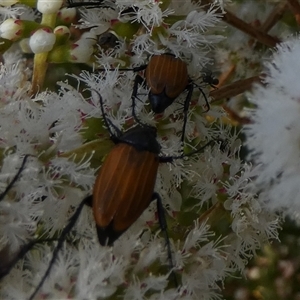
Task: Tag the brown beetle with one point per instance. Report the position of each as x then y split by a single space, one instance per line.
166 77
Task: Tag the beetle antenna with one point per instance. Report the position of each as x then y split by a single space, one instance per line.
59 245
107 122
138 80
15 177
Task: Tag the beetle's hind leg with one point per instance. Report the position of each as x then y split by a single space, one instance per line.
164 229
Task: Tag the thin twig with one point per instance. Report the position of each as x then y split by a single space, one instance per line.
225 76
233 20
261 36
294 6
233 89
274 16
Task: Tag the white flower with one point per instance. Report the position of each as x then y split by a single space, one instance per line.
82 50
149 13
273 138
63 131
14 12
10 29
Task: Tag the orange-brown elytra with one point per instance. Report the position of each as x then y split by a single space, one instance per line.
167 77
125 183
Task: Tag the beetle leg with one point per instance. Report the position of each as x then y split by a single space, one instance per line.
59 245
139 68
164 229
89 201
115 138
205 98
15 177
5 267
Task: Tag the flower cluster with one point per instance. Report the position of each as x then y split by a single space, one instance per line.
273 136
215 223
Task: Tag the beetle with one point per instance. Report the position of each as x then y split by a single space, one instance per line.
167 77
128 173
124 187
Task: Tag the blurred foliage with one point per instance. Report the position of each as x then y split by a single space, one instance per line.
274 274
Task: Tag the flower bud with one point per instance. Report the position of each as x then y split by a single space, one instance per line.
82 51
90 37
67 15
11 29
42 41
49 6
62 34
